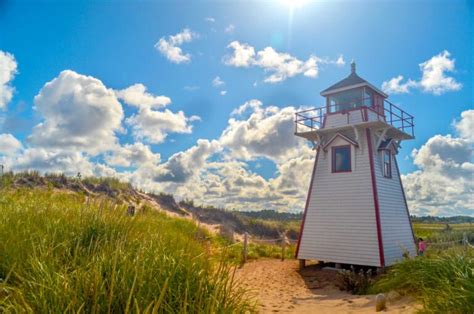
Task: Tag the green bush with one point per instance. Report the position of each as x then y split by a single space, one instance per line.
59 255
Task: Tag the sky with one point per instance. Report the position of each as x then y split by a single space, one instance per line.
197 98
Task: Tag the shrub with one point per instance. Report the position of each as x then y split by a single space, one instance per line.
356 282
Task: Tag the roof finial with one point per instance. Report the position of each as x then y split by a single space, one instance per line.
353 66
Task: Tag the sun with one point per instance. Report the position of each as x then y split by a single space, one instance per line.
294 3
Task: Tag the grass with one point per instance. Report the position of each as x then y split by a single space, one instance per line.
256 251
435 231
443 279
442 282
58 255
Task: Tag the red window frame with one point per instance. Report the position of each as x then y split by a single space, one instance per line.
333 158
387 172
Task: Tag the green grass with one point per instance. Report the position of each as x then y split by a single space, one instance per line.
442 282
436 231
256 251
58 255
443 279
111 182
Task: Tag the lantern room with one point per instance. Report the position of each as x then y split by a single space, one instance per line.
353 92
354 102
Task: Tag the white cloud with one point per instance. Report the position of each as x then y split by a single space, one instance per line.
251 105
8 69
434 79
191 88
149 123
215 173
136 154
266 132
465 126
230 184
223 92
340 61
217 82
444 183
52 161
81 117
242 55
283 65
210 19
183 165
280 65
230 29
9 145
154 126
136 95
170 47
294 176
395 85
79 113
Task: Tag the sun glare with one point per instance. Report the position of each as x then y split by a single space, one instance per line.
294 3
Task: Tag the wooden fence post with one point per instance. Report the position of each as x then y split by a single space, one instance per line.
131 210
245 248
465 241
283 245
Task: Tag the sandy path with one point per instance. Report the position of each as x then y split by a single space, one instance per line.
279 287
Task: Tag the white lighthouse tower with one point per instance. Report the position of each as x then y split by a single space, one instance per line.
356 212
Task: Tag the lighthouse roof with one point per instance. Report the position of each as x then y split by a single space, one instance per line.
351 81
388 143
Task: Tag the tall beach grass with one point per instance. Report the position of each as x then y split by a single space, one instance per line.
59 255
443 281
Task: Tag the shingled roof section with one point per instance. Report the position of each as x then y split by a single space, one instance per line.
352 80
385 144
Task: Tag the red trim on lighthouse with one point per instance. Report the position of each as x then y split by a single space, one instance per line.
307 203
376 198
405 200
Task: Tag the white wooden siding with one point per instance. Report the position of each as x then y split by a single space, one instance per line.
340 223
352 117
396 230
373 116
336 120
342 119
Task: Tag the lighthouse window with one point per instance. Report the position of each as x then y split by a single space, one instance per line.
367 97
387 164
341 158
346 100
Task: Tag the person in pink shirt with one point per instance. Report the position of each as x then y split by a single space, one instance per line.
421 246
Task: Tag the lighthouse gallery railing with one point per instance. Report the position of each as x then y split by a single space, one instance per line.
311 119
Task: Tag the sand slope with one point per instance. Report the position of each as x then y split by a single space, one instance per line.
279 287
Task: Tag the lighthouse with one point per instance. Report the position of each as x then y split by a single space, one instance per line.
356 211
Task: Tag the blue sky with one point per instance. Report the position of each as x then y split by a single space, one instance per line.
114 42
